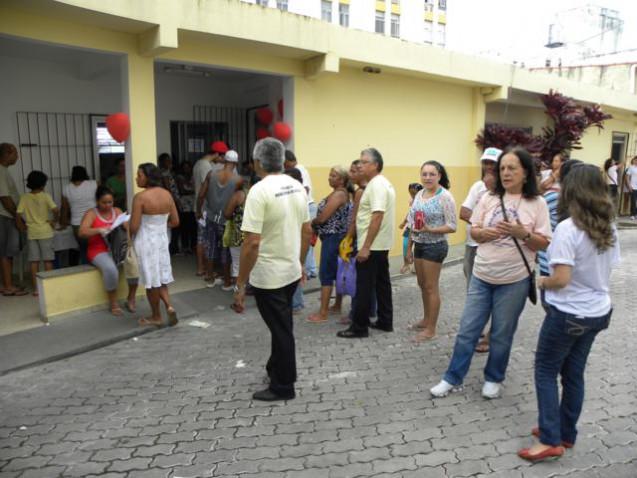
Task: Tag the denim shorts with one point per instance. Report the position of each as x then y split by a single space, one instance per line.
329 258
433 252
213 244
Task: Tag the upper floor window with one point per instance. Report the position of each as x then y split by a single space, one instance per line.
343 14
395 2
326 10
429 32
263 3
379 26
442 35
282 5
429 5
395 25
442 4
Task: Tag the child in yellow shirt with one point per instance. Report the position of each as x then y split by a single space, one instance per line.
37 207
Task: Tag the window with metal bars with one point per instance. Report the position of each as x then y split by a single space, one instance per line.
395 25
326 10
343 14
379 25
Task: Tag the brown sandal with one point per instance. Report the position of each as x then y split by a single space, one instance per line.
144 322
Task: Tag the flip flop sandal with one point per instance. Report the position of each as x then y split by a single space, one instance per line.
172 317
130 308
146 322
117 311
15 293
415 327
316 319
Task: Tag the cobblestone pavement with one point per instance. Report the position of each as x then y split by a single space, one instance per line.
176 403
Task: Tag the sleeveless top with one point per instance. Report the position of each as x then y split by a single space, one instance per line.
337 223
97 244
217 198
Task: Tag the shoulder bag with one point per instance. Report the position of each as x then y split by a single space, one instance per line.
532 284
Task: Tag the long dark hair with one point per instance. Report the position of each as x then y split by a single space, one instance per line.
444 177
152 173
565 169
529 188
78 173
590 207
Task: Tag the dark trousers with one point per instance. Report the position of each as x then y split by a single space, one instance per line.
188 226
275 306
563 347
373 275
633 203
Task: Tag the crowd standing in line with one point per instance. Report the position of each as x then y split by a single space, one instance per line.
563 216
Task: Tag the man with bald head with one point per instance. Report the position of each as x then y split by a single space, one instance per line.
9 236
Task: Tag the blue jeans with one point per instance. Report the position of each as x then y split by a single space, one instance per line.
329 258
504 303
297 299
310 261
563 347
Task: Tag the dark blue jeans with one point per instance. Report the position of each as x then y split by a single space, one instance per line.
504 303
563 347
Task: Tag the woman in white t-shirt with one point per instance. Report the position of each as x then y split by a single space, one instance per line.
583 252
78 197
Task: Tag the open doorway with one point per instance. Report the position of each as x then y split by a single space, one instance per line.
198 104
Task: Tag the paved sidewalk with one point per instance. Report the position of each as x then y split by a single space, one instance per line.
176 403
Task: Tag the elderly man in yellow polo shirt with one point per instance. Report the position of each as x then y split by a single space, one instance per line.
375 237
276 221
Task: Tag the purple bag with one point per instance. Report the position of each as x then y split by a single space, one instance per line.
346 277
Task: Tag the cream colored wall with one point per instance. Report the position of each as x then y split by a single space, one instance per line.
596 144
408 120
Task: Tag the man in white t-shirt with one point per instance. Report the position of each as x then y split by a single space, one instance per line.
631 172
488 161
209 162
277 230
375 237
290 163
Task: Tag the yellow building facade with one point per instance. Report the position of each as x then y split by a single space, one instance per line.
418 103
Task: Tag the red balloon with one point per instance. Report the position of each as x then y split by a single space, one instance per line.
118 126
282 131
262 132
265 116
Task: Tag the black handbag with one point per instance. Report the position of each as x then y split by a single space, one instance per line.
532 285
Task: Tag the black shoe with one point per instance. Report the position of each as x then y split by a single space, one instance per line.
384 328
352 334
268 395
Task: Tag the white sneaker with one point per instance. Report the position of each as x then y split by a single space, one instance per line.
444 388
491 390
227 288
214 283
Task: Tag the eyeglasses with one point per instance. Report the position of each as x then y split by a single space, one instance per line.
365 161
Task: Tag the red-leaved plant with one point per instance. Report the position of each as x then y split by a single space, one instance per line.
570 120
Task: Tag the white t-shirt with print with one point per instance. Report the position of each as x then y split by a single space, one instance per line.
632 174
276 208
475 193
379 196
81 198
587 295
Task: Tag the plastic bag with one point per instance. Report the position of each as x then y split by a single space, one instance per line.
346 278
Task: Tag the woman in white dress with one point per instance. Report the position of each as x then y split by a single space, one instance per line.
153 210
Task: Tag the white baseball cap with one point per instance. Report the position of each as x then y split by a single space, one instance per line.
490 154
231 156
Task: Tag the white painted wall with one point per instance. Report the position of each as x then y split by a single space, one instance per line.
47 86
